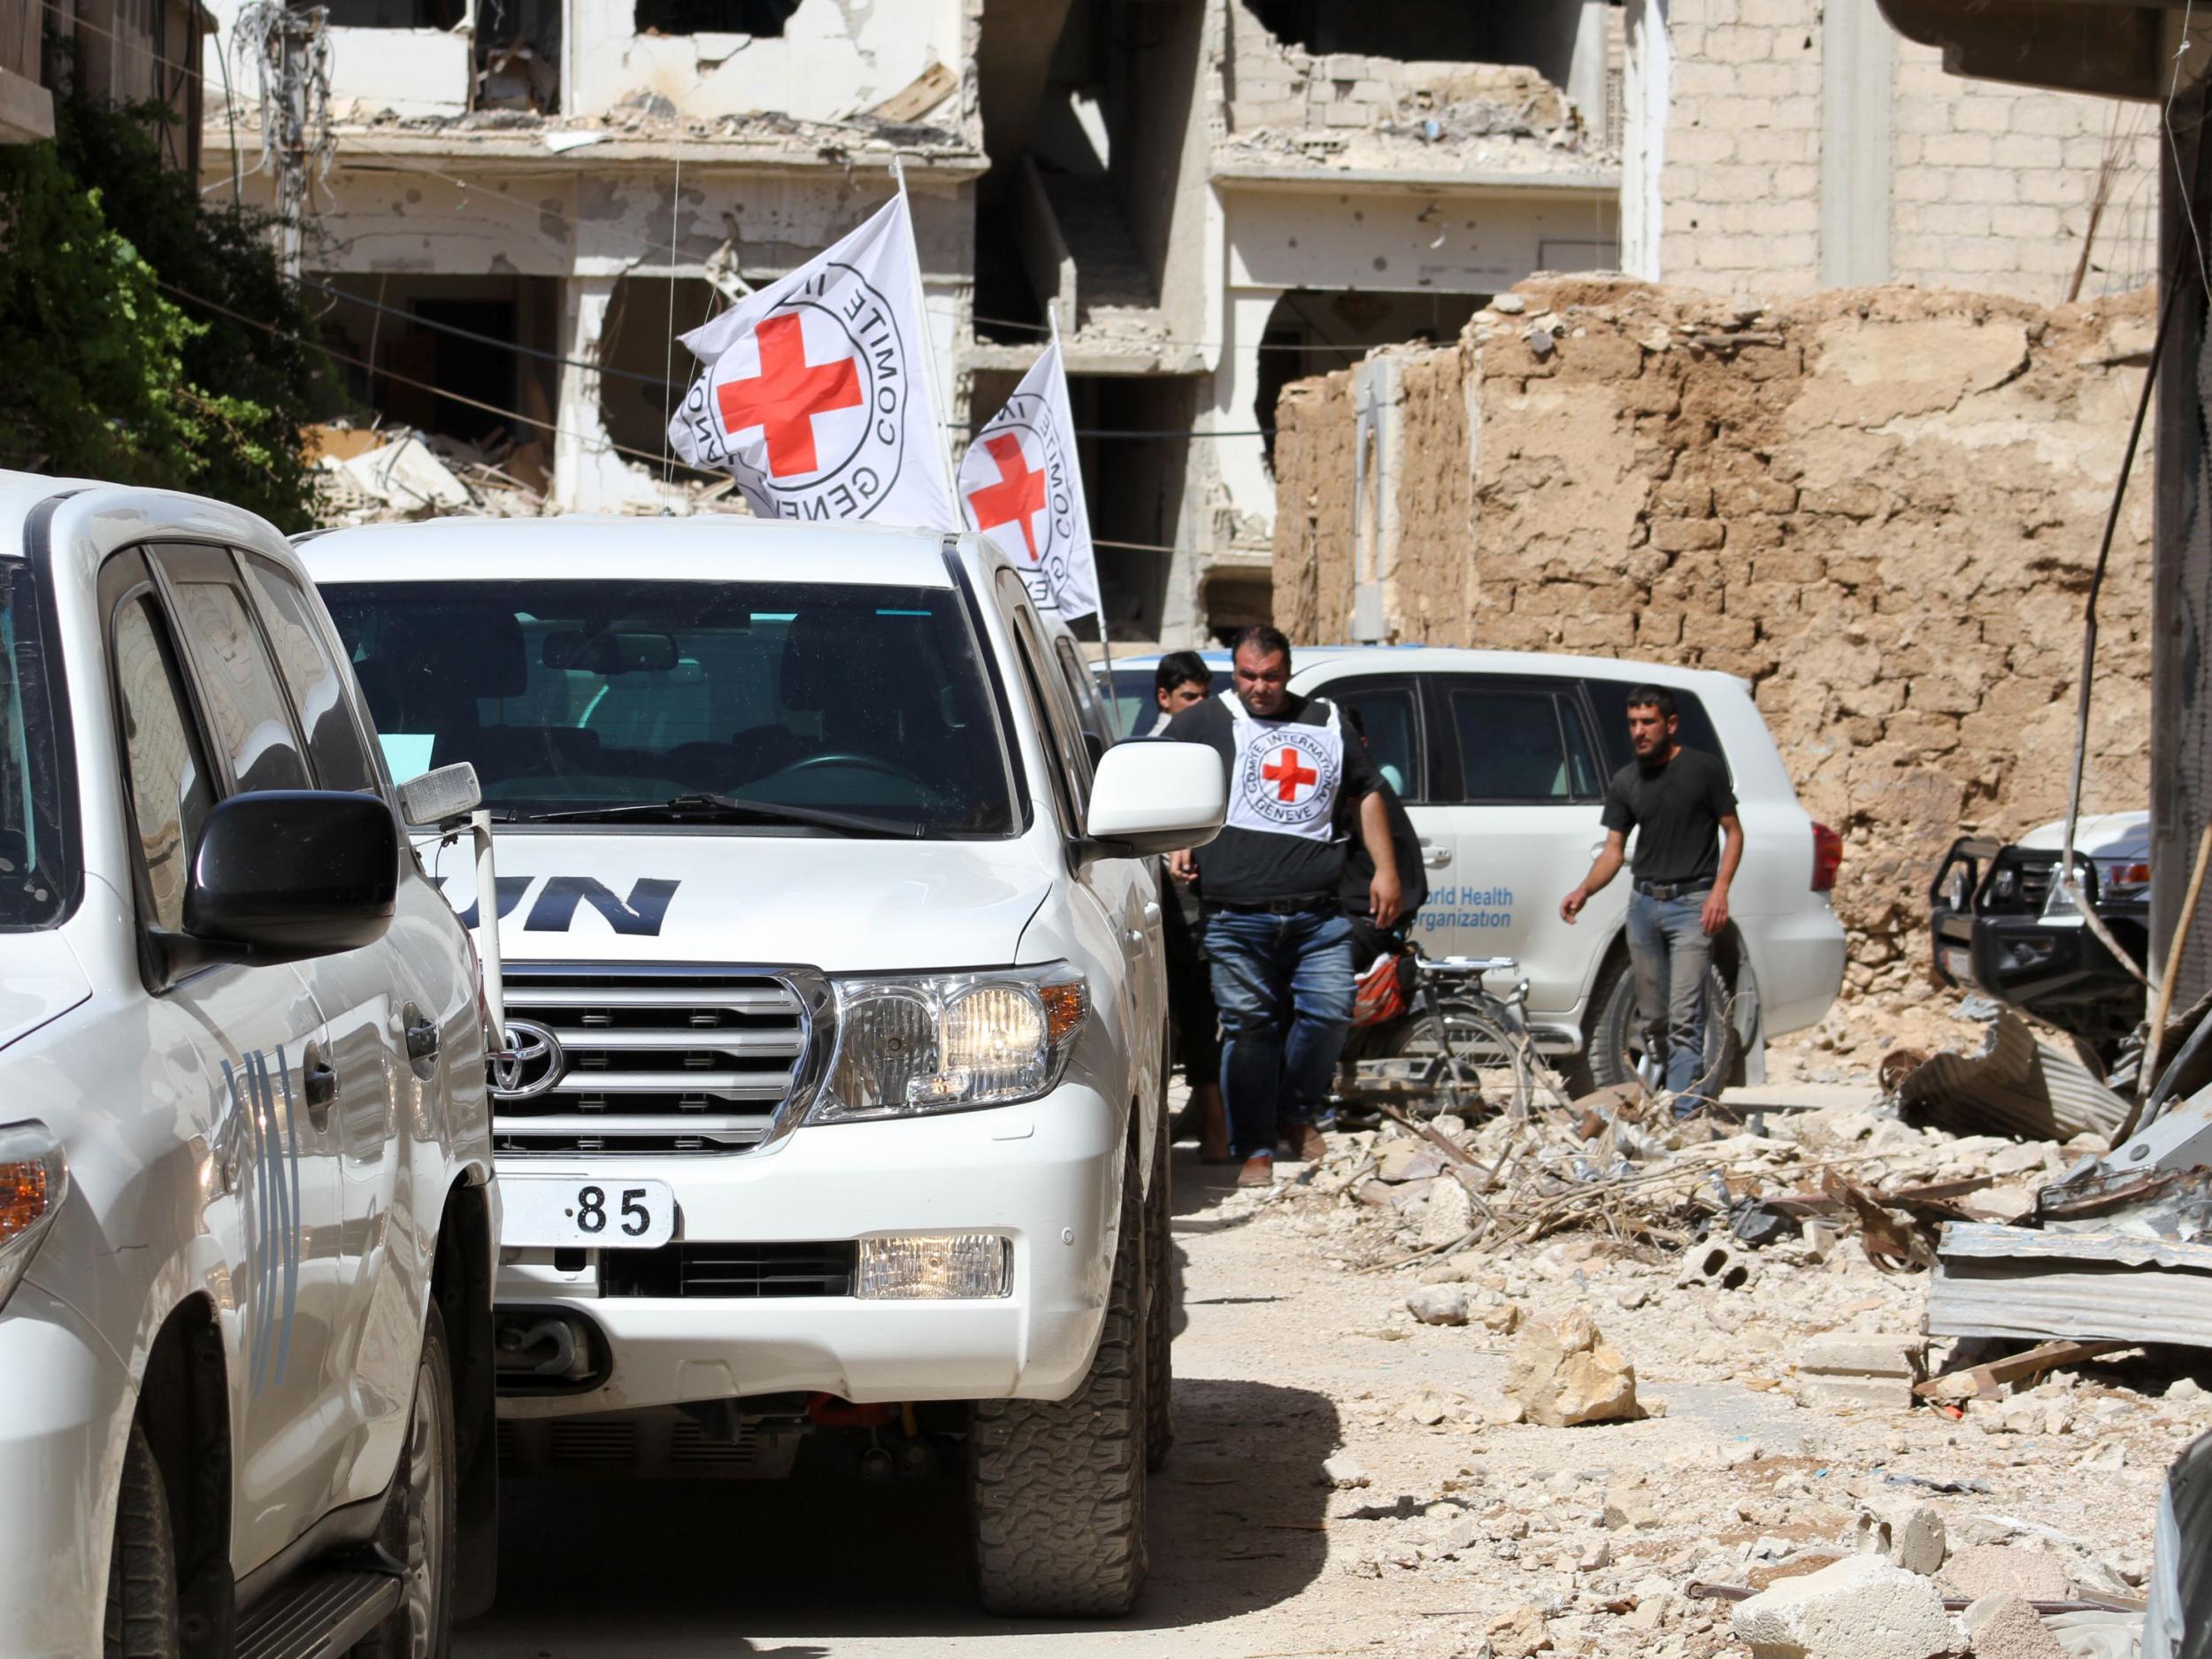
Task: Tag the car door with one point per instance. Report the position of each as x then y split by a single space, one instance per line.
384 1008
241 1048
1516 772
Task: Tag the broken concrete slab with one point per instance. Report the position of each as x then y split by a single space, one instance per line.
1908 1532
1862 1608
1975 1571
2002 1625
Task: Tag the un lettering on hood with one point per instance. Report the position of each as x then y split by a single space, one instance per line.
814 395
1021 486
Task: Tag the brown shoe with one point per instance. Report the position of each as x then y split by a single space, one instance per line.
1309 1144
1258 1171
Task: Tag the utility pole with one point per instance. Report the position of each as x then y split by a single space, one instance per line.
291 56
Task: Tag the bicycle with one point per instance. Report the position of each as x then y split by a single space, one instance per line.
1455 1028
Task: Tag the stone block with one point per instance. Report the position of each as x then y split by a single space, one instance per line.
1907 1531
1684 535
1975 1571
1437 1304
1564 1373
1450 1214
1855 1393
1863 1607
1858 1353
2003 1626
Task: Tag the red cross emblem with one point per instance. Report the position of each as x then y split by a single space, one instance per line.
1288 773
785 397
1018 493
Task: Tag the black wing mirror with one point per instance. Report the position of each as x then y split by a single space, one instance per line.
281 875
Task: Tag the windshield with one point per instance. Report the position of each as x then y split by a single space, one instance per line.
34 799
604 697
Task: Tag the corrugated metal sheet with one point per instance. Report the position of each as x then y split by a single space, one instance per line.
2041 1286
2017 1085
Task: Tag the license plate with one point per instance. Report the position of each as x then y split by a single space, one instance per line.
563 1211
1957 962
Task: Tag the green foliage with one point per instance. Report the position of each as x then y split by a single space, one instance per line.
113 376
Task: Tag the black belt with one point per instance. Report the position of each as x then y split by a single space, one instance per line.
1674 889
1279 907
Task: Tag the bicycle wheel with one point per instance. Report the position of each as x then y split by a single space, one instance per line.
1479 1039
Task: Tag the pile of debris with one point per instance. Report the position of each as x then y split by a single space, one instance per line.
388 474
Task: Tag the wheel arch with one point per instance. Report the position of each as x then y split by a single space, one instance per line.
184 1406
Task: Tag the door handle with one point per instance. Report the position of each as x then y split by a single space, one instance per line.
1436 857
1151 910
318 1084
422 1039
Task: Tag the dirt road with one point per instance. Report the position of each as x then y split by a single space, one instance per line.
1469 1529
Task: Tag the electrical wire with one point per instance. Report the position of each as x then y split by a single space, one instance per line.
2173 148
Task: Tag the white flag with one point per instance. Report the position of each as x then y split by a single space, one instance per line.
1021 486
815 394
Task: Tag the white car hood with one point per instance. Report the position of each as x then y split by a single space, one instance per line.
692 896
2097 834
40 980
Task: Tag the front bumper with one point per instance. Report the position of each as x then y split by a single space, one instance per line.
1045 1175
61 1463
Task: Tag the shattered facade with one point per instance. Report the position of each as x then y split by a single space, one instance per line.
1881 507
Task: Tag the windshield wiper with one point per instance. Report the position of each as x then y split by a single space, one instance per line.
709 808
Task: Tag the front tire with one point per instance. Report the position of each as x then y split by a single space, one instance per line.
419 1527
142 1609
1613 1042
1162 1292
1057 1487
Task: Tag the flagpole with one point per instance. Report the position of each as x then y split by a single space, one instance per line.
1105 643
928 345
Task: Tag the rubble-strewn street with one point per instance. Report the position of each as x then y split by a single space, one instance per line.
1355 1475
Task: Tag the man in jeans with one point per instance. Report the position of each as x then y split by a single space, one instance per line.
1675 799
1280 945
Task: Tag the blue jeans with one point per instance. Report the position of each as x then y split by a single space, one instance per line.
1284 987
1670 951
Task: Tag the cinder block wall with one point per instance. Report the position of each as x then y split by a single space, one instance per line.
1879 506
1989 187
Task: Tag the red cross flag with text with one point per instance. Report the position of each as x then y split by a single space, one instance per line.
1020 485
815 395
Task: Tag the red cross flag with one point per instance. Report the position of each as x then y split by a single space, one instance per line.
1020 485
815 395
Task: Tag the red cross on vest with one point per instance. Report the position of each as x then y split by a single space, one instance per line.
1018 493
785 397
1288 773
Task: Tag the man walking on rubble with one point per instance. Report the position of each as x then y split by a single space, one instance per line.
1280 944
1675 799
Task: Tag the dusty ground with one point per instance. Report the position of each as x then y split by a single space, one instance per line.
1467 1530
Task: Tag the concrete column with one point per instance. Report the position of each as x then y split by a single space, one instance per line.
1242 461
1644 85
588 475
1858 58
1585 73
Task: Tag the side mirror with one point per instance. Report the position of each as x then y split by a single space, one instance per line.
1150 796
440 797
281 875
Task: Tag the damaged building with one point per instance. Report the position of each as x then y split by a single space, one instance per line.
525 200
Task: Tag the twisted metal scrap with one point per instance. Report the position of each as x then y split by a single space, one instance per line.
290 54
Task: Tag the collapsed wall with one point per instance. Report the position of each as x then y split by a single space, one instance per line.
1880 506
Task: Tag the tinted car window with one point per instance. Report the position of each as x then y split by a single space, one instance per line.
1694 727
171 794
1136 709
333 742
1392 722
36 871
244 706
564 695
1514 746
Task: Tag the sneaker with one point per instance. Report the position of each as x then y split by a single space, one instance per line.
1258 1171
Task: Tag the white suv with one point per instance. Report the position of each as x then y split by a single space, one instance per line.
837 1009
1501 759
246 1223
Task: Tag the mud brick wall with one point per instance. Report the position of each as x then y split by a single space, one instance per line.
1880 506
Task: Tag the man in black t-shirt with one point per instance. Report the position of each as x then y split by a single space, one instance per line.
1678 801
1278 944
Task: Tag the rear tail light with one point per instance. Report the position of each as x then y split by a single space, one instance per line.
1827 857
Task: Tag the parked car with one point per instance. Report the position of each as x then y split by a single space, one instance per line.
246 1220
832 944
2000 925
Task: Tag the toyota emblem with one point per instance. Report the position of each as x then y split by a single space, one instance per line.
531 1063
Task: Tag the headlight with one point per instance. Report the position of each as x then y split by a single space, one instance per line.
33 1181
935 1042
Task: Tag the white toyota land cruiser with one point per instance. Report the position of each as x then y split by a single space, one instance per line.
246 1230
836 1003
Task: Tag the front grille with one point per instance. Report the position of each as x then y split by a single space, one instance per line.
2036 877
653 1060
754 1271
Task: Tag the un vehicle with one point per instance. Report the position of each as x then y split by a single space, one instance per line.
834 1113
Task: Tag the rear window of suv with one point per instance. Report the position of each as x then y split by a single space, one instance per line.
1694 727
574 696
